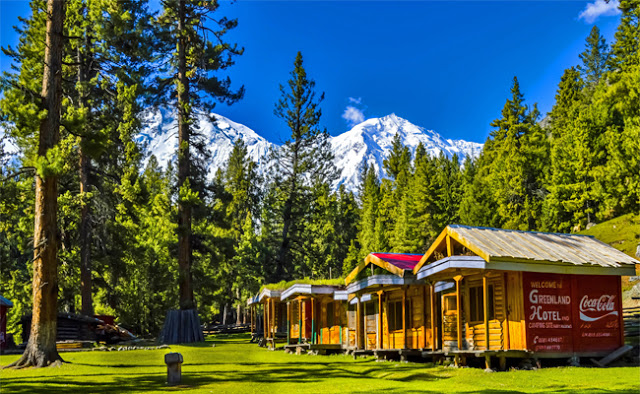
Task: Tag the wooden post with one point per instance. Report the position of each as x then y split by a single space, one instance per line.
359 324
432 289
272 323
449 247
424 317
458 278
264 321
380 334
485 307
300 330
404 316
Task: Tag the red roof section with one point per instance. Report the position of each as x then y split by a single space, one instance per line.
401 260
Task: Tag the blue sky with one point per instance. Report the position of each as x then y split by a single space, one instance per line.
443 65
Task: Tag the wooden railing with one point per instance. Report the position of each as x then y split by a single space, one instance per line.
631 318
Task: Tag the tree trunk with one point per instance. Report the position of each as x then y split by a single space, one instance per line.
224 314
85 212
286 221
238 308
184 163
41 348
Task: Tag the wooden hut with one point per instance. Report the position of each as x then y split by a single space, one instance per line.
315 318
525 294
389 310
275 316
256 322
5 304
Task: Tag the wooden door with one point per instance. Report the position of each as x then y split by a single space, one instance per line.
307 319
515 311
449 321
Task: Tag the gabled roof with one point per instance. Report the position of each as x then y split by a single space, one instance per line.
268 293
493 244
396 263
5 302
305 288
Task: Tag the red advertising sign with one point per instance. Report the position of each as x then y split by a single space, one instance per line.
547 308
598 303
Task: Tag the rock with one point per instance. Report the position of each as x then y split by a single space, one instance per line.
638 251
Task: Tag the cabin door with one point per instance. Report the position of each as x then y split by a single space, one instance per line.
449 321
307 319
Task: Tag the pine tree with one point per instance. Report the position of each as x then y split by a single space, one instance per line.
302 162
569 203
627 38
595 58
41 348
515 158
191 87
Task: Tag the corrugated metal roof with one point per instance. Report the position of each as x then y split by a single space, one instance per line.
405 261
538 246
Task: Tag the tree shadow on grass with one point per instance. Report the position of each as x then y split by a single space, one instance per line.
143 382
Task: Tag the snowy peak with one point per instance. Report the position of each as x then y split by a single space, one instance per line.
370 142
367 143
219 132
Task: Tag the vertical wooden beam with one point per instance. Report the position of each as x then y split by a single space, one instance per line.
404 316
380 295
432 288
359 324
485 307
264 320
272 315
458 279
424 317
449 246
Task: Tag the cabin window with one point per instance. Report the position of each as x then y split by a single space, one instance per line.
476 303
450 304
330 315
395 315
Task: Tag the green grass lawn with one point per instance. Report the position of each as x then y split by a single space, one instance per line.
235 366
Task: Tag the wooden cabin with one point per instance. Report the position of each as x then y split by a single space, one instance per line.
524 294
389 310
256 320
315 318
5 304
275 316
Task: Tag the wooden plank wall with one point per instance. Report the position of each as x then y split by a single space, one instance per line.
295 320
516 313
476 331
331 335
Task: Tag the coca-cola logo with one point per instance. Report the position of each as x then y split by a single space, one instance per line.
605 303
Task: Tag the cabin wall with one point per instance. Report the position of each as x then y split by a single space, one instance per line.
331 330
352 325
294 322
516 325
474 323
572 313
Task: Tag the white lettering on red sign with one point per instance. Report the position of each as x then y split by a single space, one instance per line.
605 303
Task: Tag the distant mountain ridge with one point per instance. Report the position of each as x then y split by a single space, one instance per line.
366 143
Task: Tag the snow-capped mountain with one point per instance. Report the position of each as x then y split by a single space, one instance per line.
161 136
367 142
370 143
